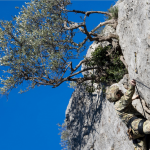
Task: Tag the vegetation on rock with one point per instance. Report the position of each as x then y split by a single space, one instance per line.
37 46
110 68
65 143
114 11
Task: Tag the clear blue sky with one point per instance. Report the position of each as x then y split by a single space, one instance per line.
28 121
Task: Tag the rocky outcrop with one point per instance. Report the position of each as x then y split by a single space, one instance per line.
134 38
91 120
94 124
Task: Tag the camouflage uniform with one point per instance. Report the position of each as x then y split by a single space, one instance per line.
126 111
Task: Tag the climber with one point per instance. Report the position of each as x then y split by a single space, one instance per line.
137 125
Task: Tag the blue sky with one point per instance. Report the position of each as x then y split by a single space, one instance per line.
28 121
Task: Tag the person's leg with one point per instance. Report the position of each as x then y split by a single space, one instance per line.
146 127
139 142
135 130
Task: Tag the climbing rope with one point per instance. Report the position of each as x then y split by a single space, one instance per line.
135 85
140 101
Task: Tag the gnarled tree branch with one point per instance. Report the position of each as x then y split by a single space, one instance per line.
90 12
112 21
69 77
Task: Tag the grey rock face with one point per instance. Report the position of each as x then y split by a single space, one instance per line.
91 120
93 123
134 37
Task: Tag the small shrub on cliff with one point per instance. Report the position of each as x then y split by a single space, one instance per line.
113 11
110 68
65 143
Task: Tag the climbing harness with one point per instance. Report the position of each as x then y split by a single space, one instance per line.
140 126
129 132
130 121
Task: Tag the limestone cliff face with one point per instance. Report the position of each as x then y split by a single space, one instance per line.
91 120
134 37
93 123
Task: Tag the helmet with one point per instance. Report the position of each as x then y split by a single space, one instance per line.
111 93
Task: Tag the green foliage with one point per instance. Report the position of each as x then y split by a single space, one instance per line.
99 57
90 89
65 143
34 46
111 69
72 84
36 49
111 64
89 86
114 11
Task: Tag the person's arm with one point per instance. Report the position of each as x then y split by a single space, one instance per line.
127 98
